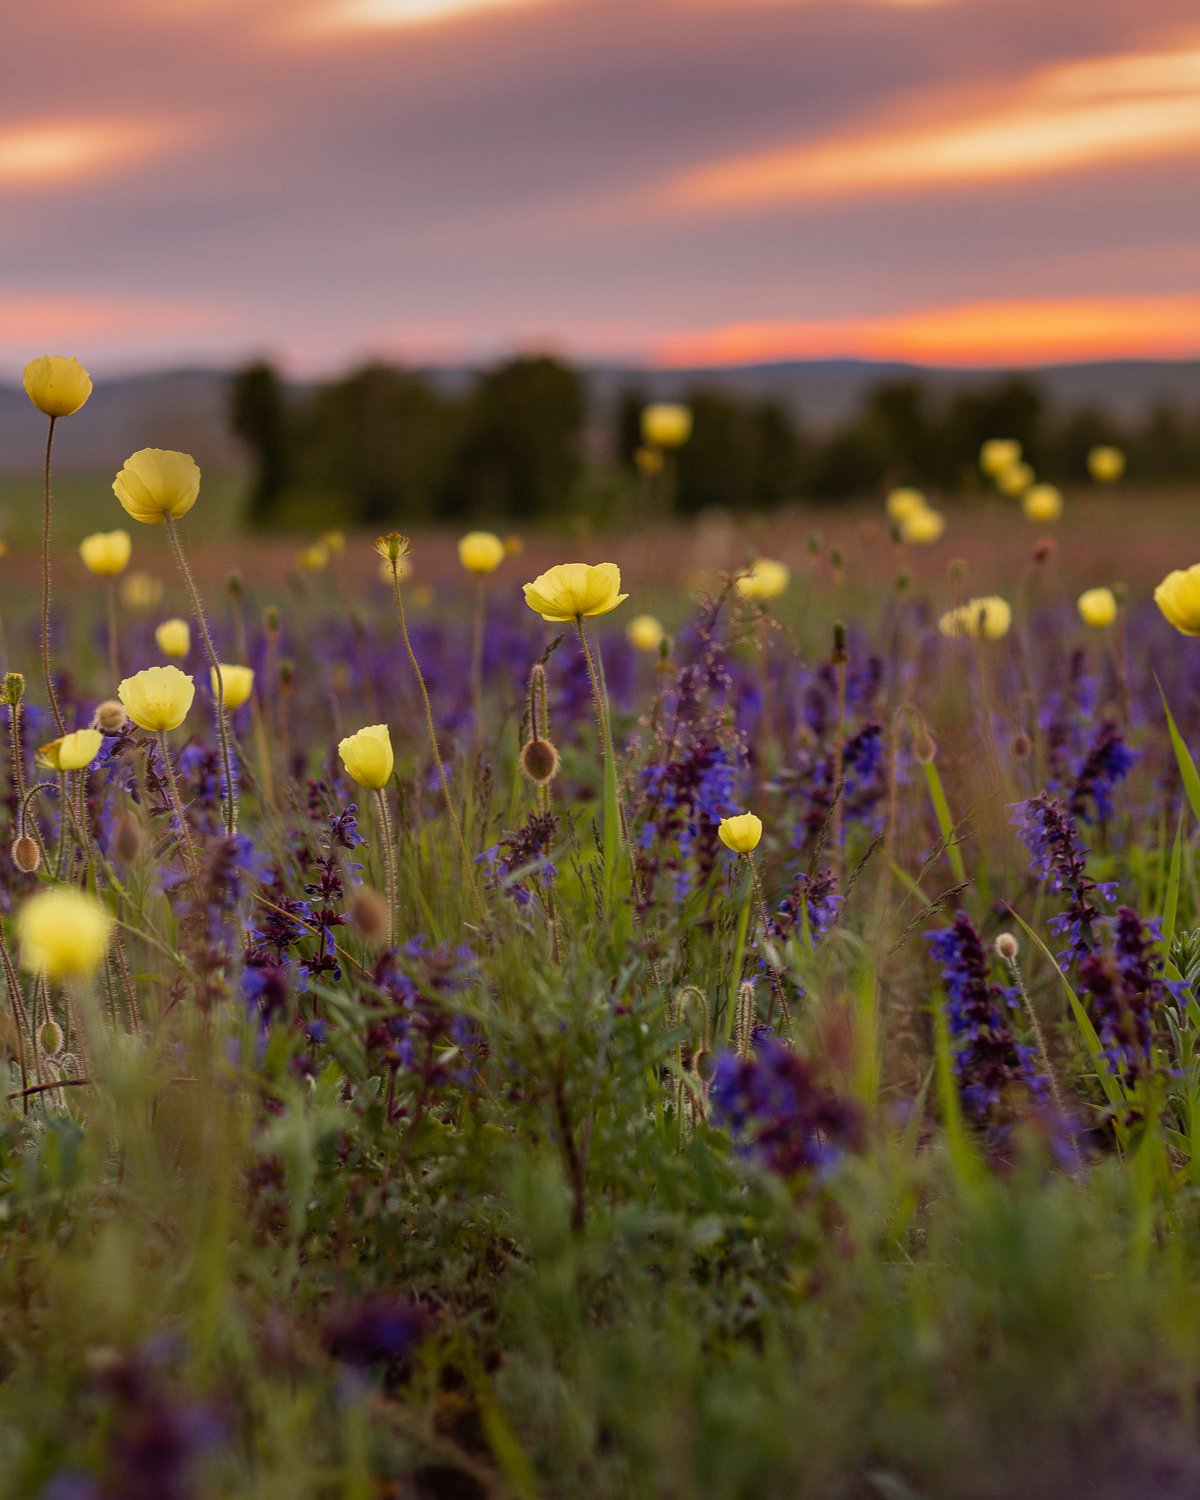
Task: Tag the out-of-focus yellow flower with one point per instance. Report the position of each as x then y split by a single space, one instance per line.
313 558
1042 503
572 590
57 385
904 502
645 633
765 579
106 552
648 461
481 552
998 454
157 698
156 483
1098 607
982 619
1106 464
3 549
666 424
71 752
1178 596
334 542
238 683
1015 479
922 527
367 756
513 545
64 934
741 834
173 638
141 590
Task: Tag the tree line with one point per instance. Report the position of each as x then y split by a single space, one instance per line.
518 441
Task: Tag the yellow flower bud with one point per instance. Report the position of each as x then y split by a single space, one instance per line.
1042 503
106 553
64 934
57 385
156 483
998 454
666 424
645 633
71 752
481 552
1106 464
741 834
904 502
981 619
766 579
109 717
1178 596
141 591
1098 607
173 638
922 527
158 698
367 756
238 683
572 590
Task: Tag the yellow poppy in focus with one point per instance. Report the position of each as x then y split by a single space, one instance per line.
1042 503
645 633
741 834
573 590
156 483
766 579
158 698
238 683
904 502
57 385
367 756
1098 607
923 527
998 454
481 552
988 619
173 638
64 934
106 553
71 752
1106 464
1178 596
666 424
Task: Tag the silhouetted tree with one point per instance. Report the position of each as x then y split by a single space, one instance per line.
258 415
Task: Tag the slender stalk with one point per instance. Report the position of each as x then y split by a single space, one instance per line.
24 1035
477 629
114 650
221 716
45 642
389 852
189 849
1039 1037
776 976
18 777
839 758
601 718
433 744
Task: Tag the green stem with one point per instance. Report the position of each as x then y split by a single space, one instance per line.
54 708
189 849
389 853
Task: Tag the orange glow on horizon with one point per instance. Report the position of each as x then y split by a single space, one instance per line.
348 16
47 153
981 333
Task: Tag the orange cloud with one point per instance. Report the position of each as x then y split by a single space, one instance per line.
979 333
47 153
34 323
366 15
1106 110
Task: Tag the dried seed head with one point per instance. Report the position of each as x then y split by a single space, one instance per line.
1007 947
13 688
1044 550
539 761
393 547
26 855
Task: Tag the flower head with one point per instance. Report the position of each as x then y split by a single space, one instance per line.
64 933
1098 607
922 527
156 483
998 454
1106 464
57 385
645 633
903 502
572 590
140 590
481 552
393 547
106 552
367 756
173 637
238 683
1042 503
1178 596
741 833
666 424
71 752
158 698
765 579
981 619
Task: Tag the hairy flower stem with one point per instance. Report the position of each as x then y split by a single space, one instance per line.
189 849
221 716
389 855
601 718
477 628
437 755
776 976
839 760
25 1038
54 708
1043 1051
24 822
114 635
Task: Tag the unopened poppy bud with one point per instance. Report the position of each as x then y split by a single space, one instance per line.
50 1038
1007 947
233 585
924 748
840 653
110 716
127 840
369 913
287 670
26 855
539 761
13 688
1022 745
271 618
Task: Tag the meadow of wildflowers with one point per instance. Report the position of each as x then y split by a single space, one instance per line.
548 1041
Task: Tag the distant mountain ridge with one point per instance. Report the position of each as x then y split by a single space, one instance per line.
187 408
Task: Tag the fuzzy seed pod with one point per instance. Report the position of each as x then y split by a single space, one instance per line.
924 748
26 855
110 716
50 1038
539 761
1022 745
369 913
1007 947
127 842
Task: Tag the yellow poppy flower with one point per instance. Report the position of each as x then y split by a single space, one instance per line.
156 483
666 424
71 752
572 590
998 454
238 683
1042 503
766 579
982 619
57 385
741 833
1106 464
106 553
922 527
1178 596
645 633
158 698
904 502
367 756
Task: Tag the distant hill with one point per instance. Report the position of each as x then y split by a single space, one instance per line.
186 408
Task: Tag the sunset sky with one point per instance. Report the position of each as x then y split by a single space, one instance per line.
950 181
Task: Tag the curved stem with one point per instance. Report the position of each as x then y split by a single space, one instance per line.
222 719
58 718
